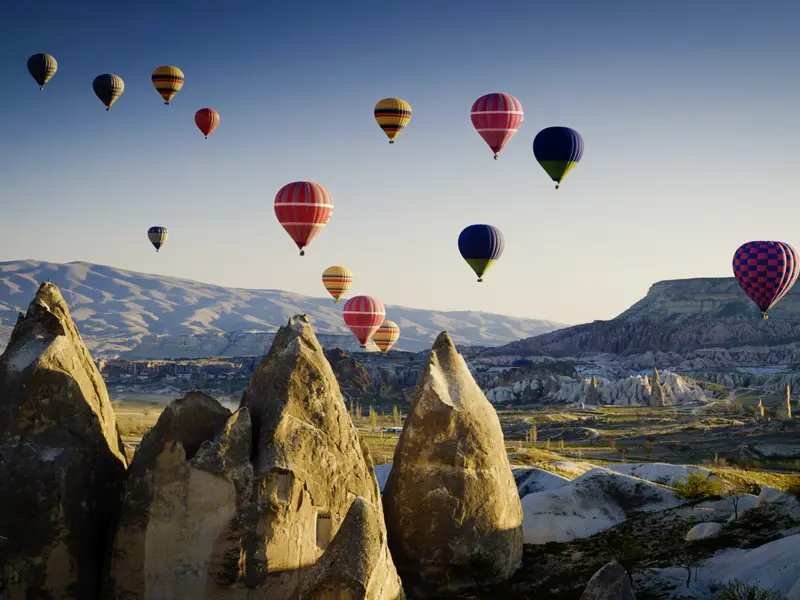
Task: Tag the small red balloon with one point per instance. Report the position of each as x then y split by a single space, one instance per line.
206 120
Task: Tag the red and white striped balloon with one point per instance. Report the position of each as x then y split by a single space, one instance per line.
363 315
303 208
496 117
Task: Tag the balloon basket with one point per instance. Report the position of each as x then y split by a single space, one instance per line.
302 252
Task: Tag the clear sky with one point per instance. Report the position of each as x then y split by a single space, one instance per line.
688 109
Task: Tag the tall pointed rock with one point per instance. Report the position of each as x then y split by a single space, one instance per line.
785 408
453 513
310 464
62 463
657 396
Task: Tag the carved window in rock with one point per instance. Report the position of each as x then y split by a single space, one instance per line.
324 529
283 484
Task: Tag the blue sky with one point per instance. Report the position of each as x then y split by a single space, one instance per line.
688 111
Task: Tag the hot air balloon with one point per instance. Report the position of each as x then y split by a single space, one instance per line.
337 280
206 120
392 114
363 315
168 81
480 246
558 150
108 88
303 208
42 67
157 236
386 336
766 271
497 117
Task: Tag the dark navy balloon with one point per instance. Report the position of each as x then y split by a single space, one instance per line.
558 150
481 246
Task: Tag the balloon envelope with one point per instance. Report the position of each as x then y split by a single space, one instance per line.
481 246
337 280
392 114
157 236
386 336
168 81
558 150
108 88
42 67
497 117
363 315
206 120
303 209
766 271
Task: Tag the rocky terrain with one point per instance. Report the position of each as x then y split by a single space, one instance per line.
151 316
279 497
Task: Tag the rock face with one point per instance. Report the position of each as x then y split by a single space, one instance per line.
183 498
352 377
62 463
593 397
785 409
357 565
657 398
310 466
612 582
452 509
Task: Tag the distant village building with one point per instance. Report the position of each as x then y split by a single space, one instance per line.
785 409
657 398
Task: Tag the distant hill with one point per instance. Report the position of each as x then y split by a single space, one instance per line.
682 317
150 316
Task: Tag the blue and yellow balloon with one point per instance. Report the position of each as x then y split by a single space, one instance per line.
558 150
481 246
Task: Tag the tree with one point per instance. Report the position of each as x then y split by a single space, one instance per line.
697 486
373 417
395 416
547 444
534 437
647 446
733 499
561 445
612 443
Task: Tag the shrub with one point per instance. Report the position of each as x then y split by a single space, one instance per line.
699 486
739 590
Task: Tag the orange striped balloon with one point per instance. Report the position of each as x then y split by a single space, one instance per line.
337 280
386 336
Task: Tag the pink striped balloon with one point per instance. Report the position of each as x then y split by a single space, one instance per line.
364 315
303 208
496 117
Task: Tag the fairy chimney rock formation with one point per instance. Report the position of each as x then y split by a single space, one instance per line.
62 463
357 565
189 483
785 409
452 508
657 397
593 397
310 464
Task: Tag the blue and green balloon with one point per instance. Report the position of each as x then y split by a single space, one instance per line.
481 246
558 150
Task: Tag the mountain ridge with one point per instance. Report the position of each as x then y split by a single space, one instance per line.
119 310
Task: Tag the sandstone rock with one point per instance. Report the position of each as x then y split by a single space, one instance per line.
310 463
702 531
357 565
190 483
452 509
657 398
593 397
62 463
785 409
612 582
352 377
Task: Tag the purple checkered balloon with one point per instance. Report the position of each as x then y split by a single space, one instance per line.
766 271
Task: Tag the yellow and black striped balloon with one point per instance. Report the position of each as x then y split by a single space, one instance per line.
386 336
337 280
392 114
42 67
168 81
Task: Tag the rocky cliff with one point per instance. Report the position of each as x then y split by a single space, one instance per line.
62 463
676 316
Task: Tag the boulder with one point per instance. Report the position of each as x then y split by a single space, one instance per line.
612 582
62 463
452 509
189 483
310 464
702 531
357 565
